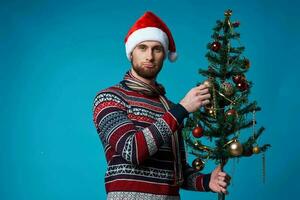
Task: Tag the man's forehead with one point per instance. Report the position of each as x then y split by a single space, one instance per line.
150 43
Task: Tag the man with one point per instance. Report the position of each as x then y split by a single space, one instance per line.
140 129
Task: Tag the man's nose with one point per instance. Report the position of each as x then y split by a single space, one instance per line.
149 55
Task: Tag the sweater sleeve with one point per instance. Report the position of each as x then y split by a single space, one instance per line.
195 180
116 129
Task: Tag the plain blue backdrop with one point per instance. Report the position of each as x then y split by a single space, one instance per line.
56 55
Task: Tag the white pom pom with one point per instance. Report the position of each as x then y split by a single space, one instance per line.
172 56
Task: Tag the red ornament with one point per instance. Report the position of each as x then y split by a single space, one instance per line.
236 24
231 112
238 78
243 86
198 131
215 46
231 115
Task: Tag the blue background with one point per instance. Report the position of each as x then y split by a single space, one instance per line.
56 55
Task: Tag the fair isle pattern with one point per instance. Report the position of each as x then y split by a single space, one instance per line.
107 97
165 129
118 119
150 142
127 149
145 112
127 169
158 90
137 196
135 131
112 121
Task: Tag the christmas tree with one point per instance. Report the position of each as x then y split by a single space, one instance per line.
230 110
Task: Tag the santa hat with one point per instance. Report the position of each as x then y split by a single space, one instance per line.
150 27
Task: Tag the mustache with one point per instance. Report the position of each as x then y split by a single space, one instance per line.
149 63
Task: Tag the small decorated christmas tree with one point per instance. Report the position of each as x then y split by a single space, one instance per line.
230 110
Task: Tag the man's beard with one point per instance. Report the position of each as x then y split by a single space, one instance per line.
147 73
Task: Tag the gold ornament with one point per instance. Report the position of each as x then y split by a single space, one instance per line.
227 89
246 64
198 164
235 148
207 83
256 149
210 110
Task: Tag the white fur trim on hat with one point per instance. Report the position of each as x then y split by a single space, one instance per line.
144 34
172 56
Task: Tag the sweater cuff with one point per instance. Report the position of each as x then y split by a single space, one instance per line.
206 179
179 112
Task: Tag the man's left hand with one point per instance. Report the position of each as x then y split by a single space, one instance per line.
219 181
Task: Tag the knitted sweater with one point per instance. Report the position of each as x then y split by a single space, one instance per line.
135 132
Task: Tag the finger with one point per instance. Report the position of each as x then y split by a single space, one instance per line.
223 174
224 179
204 97
222 184
205 102
202 86
221 178
204 91
223 190
226 176
218 169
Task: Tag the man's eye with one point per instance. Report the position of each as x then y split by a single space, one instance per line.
142 47
158 49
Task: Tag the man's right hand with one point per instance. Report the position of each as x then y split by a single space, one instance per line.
195 98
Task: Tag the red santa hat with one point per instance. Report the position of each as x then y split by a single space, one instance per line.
150 27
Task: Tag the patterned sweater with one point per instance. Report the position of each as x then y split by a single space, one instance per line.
135 132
